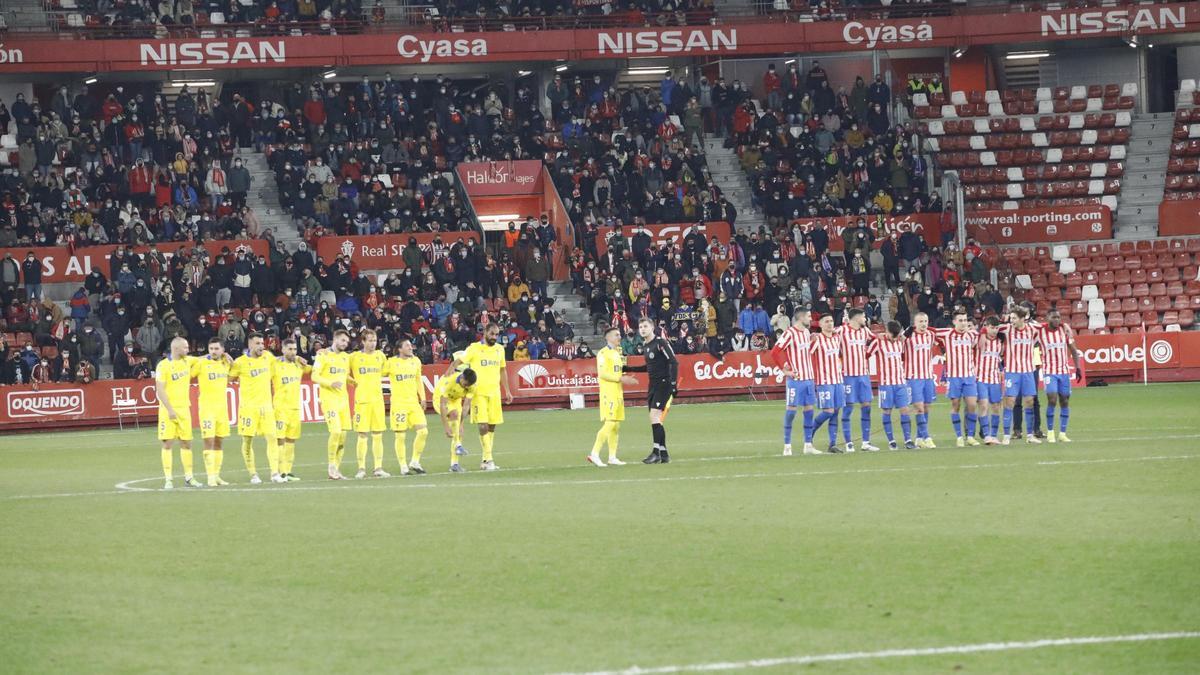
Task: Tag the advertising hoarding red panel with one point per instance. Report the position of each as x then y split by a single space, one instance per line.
61 264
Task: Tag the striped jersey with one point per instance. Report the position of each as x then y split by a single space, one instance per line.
827 359
855 342
792 351
1018 350
988 367
1056 353
918 355
889 356
959 349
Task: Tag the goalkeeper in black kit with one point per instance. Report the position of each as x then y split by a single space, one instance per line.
663 370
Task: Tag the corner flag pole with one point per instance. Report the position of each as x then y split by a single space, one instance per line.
1145 358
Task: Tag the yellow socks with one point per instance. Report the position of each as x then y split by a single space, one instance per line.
485 440
218 460
614 436
248 454
419 444
402 449
601 438
361 449
168 464
287 456
185 456
455 441
209 464
331 448
377 449
272 455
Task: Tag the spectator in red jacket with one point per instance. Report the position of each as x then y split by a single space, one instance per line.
314 111
772 85
754 283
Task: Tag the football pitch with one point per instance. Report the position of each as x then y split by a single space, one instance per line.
1002 559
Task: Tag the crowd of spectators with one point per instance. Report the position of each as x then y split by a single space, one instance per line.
183 18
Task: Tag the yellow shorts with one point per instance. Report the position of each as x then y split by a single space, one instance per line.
612 408
370 417
178 429
287 424
486 409
213 426
407 416
256 422
337 419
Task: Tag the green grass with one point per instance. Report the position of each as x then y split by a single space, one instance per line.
730 553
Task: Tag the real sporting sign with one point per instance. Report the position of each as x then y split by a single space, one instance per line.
382 251
1029 226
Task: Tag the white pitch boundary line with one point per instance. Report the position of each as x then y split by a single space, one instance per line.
901 653
414 484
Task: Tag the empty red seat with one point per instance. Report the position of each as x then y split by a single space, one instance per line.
1162 304
1140 290
1187 317
1133 319
1138 276
1112 305
1125 291
1150 317
1157 289
1129 305
1115 321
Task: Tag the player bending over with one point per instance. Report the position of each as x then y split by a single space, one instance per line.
893 387
408 404
172 384
1058 341
662 368
791 353
610 365
448 398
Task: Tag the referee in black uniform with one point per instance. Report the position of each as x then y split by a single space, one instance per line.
663 370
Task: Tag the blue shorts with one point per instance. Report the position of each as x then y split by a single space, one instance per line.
1058 384
894 396
858 389
800 393
992 393
1019 384
963 387
922 391
831 396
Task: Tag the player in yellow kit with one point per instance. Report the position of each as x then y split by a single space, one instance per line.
289 371
448 398
610 366
212 375
172 384
487 360
330 371
254 371
408 404
366 372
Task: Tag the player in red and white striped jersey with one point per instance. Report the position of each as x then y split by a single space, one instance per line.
793 355
918 362
1060 359
893 385
856 340
990 374
827 366
958 346
1019 380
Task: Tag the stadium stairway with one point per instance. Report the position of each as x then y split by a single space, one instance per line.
1145 176
570 307
735 7
25 14
263 199
726 169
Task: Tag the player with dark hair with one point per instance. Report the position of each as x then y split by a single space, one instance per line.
792 354
856 341
827 366
958 346
610 370
1020 382
990 374
893 386
663 370
1058 342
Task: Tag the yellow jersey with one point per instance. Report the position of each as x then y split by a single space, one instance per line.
610 364
405 375
176 379
213 377
486 361
367 372
286 378
452 390
254 380
331 366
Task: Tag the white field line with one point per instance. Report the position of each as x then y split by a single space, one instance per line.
902 653
421 484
